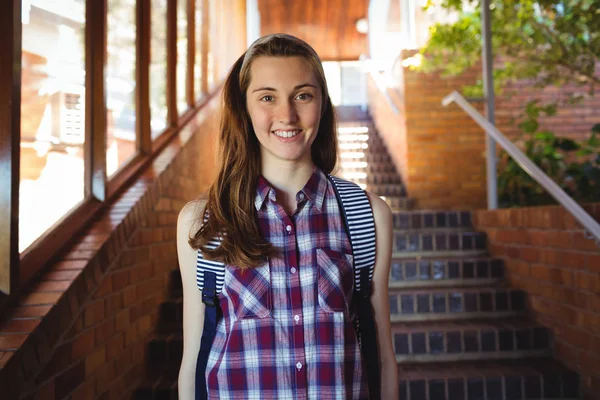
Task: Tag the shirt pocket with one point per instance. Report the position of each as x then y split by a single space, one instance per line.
250 291
335 279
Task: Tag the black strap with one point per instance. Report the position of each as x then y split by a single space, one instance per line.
212 315
351 197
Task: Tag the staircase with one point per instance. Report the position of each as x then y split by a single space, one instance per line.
459 332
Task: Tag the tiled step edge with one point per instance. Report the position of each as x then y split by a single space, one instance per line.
409 273
456 341
412 220
491 381
447 304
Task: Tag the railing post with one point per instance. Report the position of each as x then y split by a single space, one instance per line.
488 87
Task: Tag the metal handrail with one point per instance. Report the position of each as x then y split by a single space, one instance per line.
528 166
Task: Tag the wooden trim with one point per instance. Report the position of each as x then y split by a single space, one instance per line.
10 143
191 52
95 100
205 44
143 134
172 113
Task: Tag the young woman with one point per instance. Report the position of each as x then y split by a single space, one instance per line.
287 330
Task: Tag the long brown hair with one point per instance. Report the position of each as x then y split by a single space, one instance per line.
230 204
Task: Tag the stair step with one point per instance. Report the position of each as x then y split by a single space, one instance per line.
399 203
455 303
538 379
384 178
449 272
438 241
467 340
419 219
165 348
383 158
171 312
158 386
387 189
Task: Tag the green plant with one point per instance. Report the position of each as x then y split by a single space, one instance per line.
552 42
580 179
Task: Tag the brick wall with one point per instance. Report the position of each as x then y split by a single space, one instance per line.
81 333
546 255
439 151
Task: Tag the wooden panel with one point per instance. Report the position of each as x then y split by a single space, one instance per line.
172 113
329 26
10 126
143 135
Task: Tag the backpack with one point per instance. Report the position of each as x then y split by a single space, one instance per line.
360 227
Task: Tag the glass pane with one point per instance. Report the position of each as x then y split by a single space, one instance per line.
52 114
212 37
198 61
182 53
120 84
158 67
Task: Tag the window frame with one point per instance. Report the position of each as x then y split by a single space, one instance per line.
18 270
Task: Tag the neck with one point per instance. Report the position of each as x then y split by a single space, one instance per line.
287 178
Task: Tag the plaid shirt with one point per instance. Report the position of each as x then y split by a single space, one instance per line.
287 329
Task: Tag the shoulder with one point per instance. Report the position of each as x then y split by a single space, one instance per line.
189 215
381 209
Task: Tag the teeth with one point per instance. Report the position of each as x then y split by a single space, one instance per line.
287 134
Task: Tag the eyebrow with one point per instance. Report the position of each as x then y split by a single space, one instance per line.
274 90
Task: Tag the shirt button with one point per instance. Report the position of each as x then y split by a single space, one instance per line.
296 318
299 366
293 270
288 229
301 196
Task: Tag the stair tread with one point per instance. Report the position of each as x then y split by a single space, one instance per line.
469 324
481 368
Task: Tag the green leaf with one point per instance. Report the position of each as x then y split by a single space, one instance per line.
567 144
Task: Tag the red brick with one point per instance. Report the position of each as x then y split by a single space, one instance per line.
104 332
83 345
41 298
530 254
120 280
52 286
93 313
95 360
12 342
4 357
20 325
583 243
115 347
31 311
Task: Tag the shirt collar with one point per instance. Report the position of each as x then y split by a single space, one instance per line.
314 190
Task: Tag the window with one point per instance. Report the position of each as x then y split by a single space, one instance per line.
120 84
52 114
182 54
158 67
198 61
212 38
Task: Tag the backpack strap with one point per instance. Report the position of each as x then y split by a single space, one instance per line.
209 278
360 225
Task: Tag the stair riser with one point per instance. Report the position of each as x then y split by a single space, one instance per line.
453 303
471 342
492 388
445 357
421 242
434 272
426 220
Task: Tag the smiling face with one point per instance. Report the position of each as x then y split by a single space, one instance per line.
284 102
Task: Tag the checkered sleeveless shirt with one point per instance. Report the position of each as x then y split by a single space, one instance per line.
287 331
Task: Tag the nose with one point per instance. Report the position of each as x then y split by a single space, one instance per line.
287 113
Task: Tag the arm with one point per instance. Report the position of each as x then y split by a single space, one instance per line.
193 308
379 299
